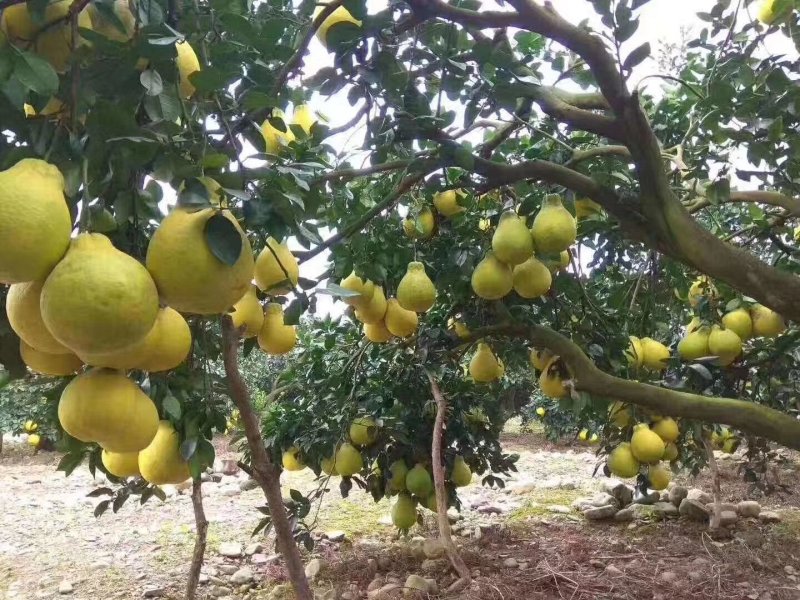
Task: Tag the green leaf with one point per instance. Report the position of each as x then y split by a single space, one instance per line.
151 81
636 57
223 239
172 407
101 507
334 289
188 448
35 73
194 194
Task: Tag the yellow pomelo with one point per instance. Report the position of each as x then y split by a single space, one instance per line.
103 406
585 207
622 463
532 279
216 194
446 202
328 465
416 291
363 431
550 382
634 353
161 462
25 318
702 287
57 365
188 64
165 346
104 26
374 310
276 140
667 429
121 464
539 358
619 414
34 440
768 11
484 366
419 482
410 228
363 287
35 224
304 117
248 314
461 474
276 337
694 345
766 323
276 265
377 332
654 354
670 452
348 460
646 445
512 242
338 16
724 344
291 461
98 299
397 476
30 426
426 223
188 275
492 279
554 228
399 321
50 38
659 477
740 322
541 411
404 511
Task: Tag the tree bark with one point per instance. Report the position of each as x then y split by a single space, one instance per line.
441 493
264 471
200 539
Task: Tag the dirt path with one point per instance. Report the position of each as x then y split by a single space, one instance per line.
49 537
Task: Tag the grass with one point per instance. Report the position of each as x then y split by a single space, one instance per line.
536 504
356 517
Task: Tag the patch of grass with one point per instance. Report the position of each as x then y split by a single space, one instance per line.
537 501
356 517
789 527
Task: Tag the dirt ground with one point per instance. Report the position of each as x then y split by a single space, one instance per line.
520 542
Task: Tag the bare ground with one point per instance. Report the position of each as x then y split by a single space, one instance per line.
48 536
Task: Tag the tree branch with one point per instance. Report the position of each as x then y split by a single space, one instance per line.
555 106
354 173
580 156
200 539
792 205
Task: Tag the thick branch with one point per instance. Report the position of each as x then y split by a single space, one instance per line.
582 155
578 118
264 471
746 416
792 205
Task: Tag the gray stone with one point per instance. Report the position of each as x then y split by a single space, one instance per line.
433 548
154 592
677 494
790 570
283 591
723 506
390 591
643 512
248 484
453 515
203 578
415 586
65 587
728 517
253 548
230 549
699 495
217 591
613 571
510 563
376 584
336 536
242 576
228 569
748 509
621 491
666 509
648 499
433 586
490 509
313 568
769 516
668 577
433 566
601 512
263 559
559 509
624 515
693 509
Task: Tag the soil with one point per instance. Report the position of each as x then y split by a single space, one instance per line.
50 538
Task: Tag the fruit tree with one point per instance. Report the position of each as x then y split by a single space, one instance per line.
509 210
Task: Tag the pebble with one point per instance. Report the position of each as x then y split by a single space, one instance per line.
415 583
613 571
619 490
768 516
230 549
248 484
433 548
387 592
665 509
218 591
748 509
228 569
263 559
313 568
625 515
728 517
154 592
510 563
601 512
65 587
790 570
242 576
336 536
677 493
559 509
693 509
253 548
700 495
668 577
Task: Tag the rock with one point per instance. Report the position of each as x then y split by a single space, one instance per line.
728 517
390 591
769 516
228 569
677 494
203 578
313 568
415 586
729 506
622 492
228 467
65 587
668 577
336 536
384 562
283 591
218 591
790 570
748 509
242 576
650 498
433 548
559 509
477 533
206 477
624 515
230 549
253 548
248 484
665 509
613 571
376 584
431 566
153 592
433 586
490 509
263 559
693 509
700 495
510 563
642 512
695 575
453 515
601 512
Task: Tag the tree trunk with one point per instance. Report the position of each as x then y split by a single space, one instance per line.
264 472
200 536
712 462
441 492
